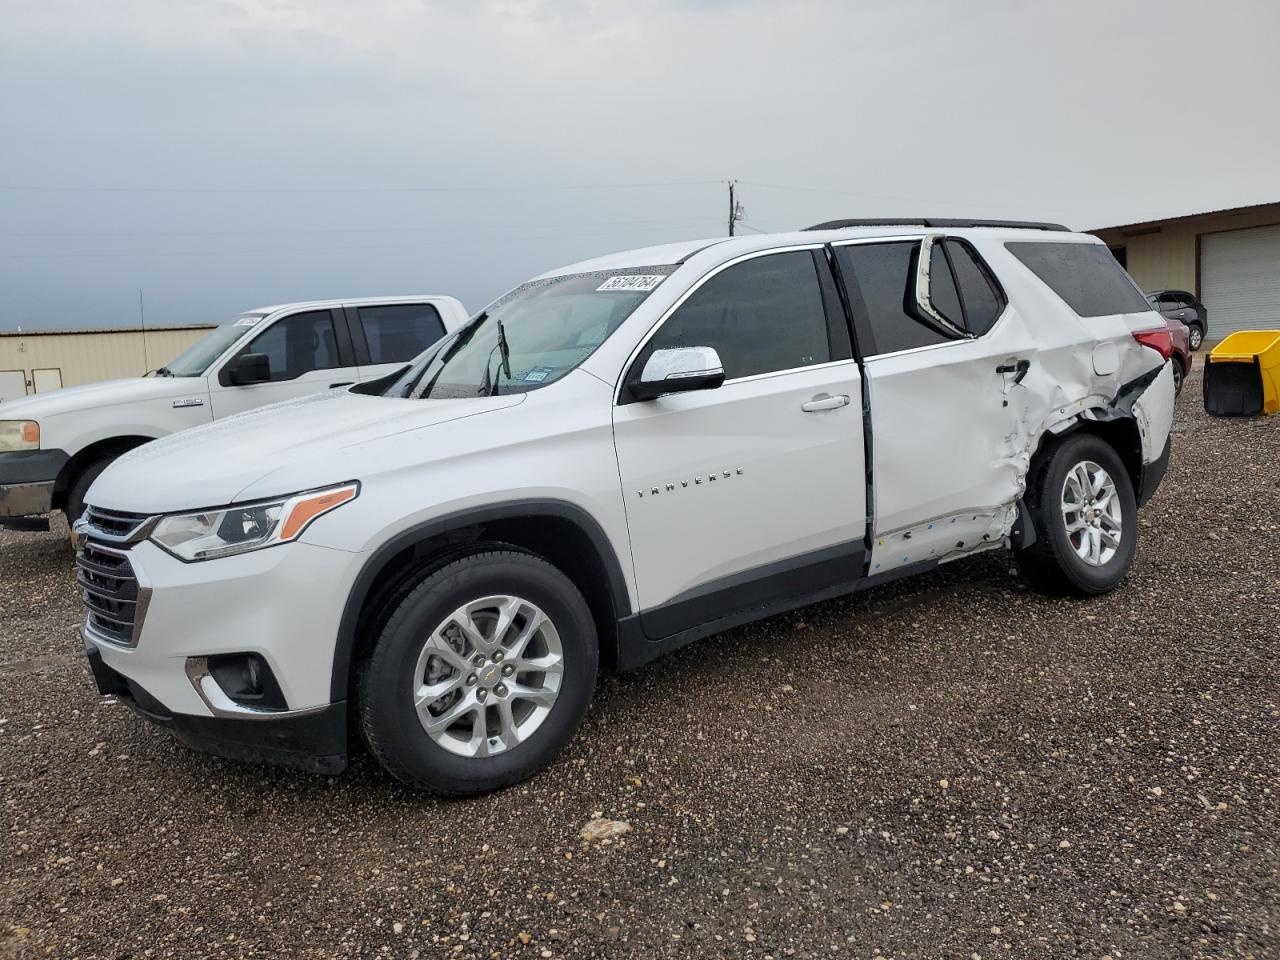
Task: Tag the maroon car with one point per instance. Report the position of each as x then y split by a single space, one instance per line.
1180 334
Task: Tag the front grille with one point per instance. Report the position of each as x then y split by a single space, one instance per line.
109 590
114 523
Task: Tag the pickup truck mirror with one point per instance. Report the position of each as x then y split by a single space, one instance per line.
678 370
248 368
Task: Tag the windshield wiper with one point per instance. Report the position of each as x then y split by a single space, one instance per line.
163 372
506 349
462 338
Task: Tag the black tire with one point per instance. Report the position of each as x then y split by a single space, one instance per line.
74 505
1051 564
1196 335
1179 375
388 718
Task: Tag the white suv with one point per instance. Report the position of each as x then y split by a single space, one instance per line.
54 445
612 460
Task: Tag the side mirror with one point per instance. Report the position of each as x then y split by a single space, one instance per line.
678 370
248 368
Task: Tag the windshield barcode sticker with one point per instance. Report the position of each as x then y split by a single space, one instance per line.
642 282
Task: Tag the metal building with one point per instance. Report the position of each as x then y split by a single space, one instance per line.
41 360
1230 259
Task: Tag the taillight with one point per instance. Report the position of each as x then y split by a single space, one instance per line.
1161 341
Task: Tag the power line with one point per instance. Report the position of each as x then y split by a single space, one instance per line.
331 230
475 188
254 252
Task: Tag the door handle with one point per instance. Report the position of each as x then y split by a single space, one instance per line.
1020 369
344 383
824 401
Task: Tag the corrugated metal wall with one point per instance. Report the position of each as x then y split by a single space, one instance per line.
90 356
1165 258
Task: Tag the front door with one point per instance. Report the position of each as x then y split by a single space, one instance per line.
308 352
947 454
752 492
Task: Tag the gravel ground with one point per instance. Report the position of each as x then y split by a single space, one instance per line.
944 767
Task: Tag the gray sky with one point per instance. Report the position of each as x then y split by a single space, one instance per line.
224 154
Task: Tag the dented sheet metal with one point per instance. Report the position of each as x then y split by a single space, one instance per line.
955 427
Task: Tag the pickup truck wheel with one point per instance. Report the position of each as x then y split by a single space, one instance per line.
74 505
481 675
1086 519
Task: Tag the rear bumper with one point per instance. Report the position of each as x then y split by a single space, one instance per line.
314 740
1153 473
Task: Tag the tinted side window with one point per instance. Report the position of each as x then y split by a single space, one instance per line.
761 315
983 301
877 277
399 332
298 344
1085 275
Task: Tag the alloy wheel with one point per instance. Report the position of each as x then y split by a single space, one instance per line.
1091 512
488 676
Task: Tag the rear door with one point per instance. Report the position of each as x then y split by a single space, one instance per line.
308 352
944 441
754 491
386 336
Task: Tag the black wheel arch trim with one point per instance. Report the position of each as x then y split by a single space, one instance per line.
528 509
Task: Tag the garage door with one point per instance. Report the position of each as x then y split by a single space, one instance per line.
1240 280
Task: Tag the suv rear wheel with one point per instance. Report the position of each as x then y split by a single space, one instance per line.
481 675
1086 518
1195 334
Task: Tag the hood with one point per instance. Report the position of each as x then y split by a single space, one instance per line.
212 464
108 393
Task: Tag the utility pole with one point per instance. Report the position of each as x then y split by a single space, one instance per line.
142 318
736 212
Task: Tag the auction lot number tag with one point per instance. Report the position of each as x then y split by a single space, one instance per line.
643 282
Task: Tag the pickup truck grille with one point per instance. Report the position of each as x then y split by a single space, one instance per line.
109 590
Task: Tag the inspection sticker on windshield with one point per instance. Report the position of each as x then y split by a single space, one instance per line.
643 282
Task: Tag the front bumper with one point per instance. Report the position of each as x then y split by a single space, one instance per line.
315 740
27 479
282 603
25 499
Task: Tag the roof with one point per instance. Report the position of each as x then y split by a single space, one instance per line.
95 330
341 301
729 247
1223 212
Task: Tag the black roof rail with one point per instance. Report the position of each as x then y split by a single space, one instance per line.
938 223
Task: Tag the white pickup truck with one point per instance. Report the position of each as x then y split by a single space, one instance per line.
612 460
53 445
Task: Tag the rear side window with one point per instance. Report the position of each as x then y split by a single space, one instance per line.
877 278
1085 275
983 301
762 315
399 332
298 344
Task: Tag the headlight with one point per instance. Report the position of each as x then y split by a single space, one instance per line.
19 435
239 529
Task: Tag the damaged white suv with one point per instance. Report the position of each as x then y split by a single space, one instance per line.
615 459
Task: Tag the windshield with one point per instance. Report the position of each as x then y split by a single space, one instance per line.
531 337
195 360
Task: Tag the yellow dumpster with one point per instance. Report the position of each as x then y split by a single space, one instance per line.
1242 375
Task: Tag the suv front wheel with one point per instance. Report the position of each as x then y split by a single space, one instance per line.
481 674
1086 519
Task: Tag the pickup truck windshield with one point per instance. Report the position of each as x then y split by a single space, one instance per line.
195 360
531 337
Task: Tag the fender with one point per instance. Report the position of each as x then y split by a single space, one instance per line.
531 509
